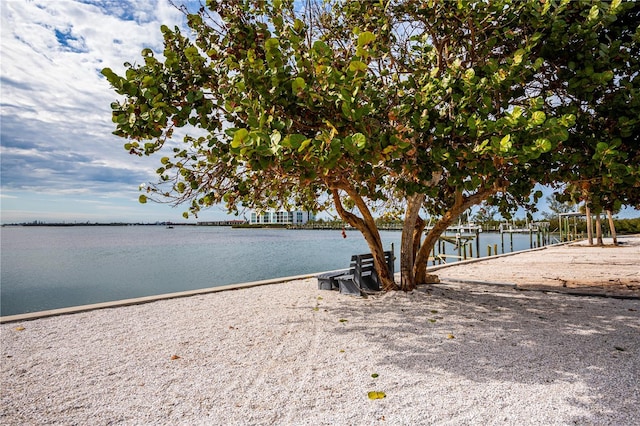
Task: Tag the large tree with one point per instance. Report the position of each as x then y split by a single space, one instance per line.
418 106
593 72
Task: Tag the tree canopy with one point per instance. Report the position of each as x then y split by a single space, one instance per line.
404 106
594 73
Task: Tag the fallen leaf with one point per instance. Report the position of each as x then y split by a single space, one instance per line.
20 328
343 320
174 357
374 375
618 348
434 311
432 320
376 395
450 336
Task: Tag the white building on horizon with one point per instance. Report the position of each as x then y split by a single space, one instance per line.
281 217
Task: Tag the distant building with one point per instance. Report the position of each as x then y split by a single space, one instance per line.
281 217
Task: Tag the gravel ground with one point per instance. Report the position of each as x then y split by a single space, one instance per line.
290 354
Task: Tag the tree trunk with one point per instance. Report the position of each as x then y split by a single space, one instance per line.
417 236
612 227
420 266
367 226
587 211
407 244
599 230
422 257
461 204
413 230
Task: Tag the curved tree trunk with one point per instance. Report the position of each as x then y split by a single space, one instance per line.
407 244
417 236
461 204
420 266
367 226
413 254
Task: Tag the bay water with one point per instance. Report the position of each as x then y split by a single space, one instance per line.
48 267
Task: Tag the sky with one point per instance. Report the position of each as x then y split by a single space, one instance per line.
60 161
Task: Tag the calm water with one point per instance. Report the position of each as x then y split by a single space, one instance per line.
53 267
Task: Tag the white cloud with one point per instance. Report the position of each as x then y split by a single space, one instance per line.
49 77
55 105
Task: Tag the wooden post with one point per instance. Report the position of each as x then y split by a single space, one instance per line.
393 260
612 227
495 249
560 219
488 250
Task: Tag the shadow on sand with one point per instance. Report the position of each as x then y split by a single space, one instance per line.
489 334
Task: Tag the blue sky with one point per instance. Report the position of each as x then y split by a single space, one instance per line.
59 160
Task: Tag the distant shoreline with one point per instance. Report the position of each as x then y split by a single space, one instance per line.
63 224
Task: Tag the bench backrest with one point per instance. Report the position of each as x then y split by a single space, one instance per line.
362 268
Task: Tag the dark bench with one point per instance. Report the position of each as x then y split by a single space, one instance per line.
329 280
362 276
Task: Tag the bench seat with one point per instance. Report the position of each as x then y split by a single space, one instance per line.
329 280
360 277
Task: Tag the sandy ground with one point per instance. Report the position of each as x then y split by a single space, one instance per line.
573 268
290 354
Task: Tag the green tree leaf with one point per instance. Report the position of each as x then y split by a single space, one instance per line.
365 37
505 143
238 138
298 84
538 117
356 66
359 140
543 145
